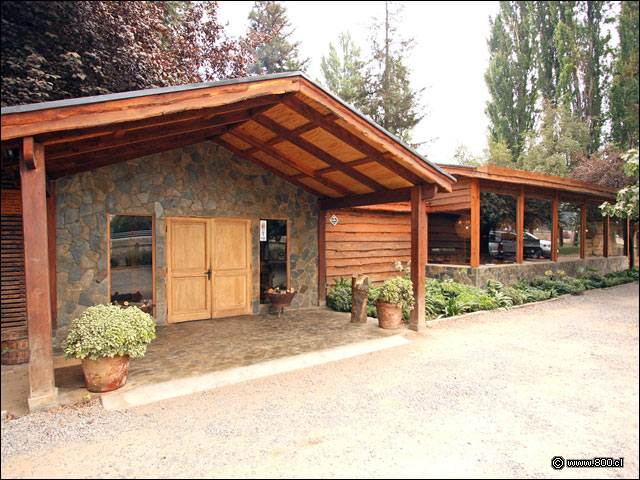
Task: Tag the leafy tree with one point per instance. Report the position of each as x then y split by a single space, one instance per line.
624 89
276 54
604 167
626 205
390 99
499 155
56 50
510 76
547 51
555 147
342 71
463 156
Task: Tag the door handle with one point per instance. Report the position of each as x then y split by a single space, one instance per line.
208 272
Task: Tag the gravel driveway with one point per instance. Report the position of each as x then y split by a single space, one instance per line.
493 395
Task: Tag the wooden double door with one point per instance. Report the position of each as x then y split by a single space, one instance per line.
208 268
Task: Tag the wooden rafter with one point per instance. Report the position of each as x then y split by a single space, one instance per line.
261 146
232 148
326 122
130 152
317 152
149 134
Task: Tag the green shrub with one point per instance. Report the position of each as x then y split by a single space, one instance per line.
515 295
109 330
339 297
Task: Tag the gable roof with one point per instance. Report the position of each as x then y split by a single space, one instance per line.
285 123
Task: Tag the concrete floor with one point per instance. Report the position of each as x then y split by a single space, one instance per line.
193 349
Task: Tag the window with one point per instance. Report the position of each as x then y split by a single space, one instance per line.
131 260
274 257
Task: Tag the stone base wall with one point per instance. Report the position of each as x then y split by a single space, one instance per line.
199 180
510 274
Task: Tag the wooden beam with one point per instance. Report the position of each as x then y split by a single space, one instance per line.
327 122
419 234
28 153
51 240
410 160
605 236
42 390
520 226
583 229
322 255
318 152
55 138
123 154
475 222
32 123
79 150
379 198
250 139
232 148
555 219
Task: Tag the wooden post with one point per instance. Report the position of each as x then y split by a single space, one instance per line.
605 236
554 229
583 229
322 255
475 222
419 232
359 297
42 390
520 226
51 234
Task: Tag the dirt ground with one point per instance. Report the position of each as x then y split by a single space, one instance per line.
493 395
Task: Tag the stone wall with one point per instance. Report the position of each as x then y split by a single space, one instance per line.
199 180
509 274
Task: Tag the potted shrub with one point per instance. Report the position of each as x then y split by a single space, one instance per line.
394 296
105 337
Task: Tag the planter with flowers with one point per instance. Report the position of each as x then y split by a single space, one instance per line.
105 337
394 296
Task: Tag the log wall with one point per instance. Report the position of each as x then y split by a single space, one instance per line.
369 242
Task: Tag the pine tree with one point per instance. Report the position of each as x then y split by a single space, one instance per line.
390 99
624 90
342 71
278 54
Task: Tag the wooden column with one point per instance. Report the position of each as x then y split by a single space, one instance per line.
42 390
51 240
583 229
322 255
520 226
554 229
605 236
418 258
475 222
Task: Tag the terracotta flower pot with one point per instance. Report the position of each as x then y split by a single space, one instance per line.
106 373
389 315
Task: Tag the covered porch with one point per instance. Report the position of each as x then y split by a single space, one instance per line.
291 141
496 223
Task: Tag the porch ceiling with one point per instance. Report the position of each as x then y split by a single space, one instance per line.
285 123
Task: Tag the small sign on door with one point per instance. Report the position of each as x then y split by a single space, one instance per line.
333 220
263 230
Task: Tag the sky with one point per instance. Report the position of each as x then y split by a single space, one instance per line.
449 59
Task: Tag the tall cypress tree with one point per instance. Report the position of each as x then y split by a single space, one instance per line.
624 89
510 76
278 54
